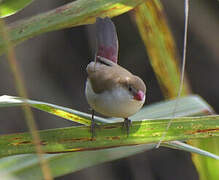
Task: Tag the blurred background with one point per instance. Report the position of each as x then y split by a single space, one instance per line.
53 67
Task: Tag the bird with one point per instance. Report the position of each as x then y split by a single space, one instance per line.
110 89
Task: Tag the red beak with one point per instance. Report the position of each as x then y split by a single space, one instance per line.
139 96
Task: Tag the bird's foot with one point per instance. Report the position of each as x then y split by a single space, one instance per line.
127 124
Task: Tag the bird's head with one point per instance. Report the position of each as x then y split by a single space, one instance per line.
135 86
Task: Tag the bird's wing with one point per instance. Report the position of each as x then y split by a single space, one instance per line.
107 41
105 77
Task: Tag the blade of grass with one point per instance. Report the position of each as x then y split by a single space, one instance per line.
188 148
154 31
10 7
206 166
63 163
192 105
182 75
188 106
161 48
111 135
24 166
76 13
22 92
67 113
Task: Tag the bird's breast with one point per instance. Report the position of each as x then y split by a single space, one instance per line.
117 102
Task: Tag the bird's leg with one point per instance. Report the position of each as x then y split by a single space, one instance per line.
92 127
127 123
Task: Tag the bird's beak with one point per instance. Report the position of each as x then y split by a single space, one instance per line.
139 96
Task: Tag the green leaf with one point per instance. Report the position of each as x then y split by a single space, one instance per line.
76 13
158 40
10 7
160 45
111 135
206 166
190 105
26 166
186 147
67 113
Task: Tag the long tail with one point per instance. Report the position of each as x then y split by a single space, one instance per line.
107 41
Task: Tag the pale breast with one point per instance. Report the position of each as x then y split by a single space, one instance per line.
115 103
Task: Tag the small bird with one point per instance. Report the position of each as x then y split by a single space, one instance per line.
112 90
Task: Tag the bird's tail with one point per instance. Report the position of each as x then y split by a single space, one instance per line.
107 41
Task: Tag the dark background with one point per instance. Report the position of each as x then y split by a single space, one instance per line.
53 66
